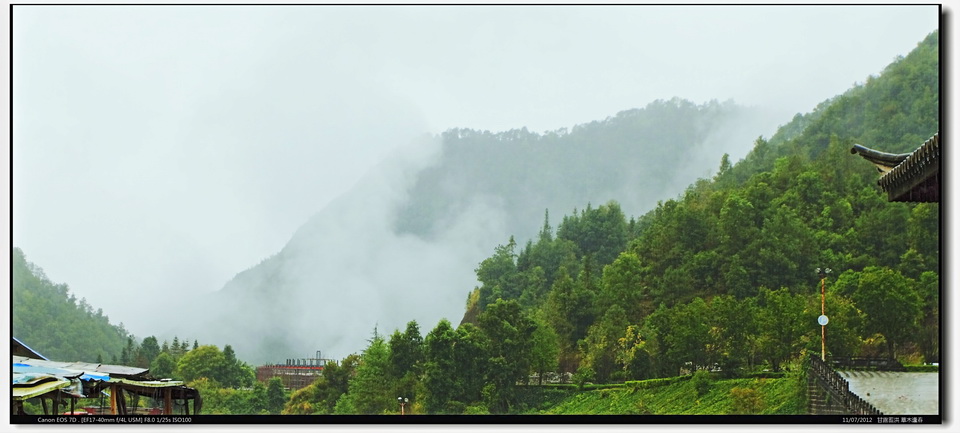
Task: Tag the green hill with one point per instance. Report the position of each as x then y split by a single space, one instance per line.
731 263
49 319
723 278
482 186
663 146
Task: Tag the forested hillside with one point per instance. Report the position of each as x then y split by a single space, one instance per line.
636 157
402 244
697 297
722 278
743 249
50 319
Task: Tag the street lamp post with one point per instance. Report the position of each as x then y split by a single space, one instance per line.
403 402
823 320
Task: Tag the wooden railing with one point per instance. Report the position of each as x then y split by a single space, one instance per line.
838 388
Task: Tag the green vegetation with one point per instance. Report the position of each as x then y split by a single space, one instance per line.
704 305
722 278
259 399
49 319
680 396
570 166
922 368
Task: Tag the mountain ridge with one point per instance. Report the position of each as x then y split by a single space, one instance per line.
439 203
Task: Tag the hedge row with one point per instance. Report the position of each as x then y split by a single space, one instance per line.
766 375
585 387
921 368
654 383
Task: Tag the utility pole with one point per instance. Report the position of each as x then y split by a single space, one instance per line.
823 320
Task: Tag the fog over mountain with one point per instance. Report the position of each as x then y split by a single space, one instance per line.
339 154
403 243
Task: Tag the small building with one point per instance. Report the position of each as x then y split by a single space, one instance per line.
908 177
58 385
295 373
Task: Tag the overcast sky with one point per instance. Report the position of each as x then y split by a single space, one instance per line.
158 151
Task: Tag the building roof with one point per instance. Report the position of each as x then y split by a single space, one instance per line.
18 348
105 370
36 386
909 177
36 377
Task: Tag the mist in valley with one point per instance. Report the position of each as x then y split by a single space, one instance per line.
287 180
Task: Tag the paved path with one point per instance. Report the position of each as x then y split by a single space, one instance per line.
897 393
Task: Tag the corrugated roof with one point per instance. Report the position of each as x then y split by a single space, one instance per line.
112 370
35 377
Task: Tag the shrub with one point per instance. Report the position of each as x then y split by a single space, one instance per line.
766 375
746 401
476 409
701 382
654 383
582 376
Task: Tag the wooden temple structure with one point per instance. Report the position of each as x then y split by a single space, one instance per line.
908 177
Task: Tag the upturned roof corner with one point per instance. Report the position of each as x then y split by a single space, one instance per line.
907 177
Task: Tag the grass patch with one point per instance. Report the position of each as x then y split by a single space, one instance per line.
678 396
921 368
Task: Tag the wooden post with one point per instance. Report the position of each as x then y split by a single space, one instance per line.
121 402
114 389
168 401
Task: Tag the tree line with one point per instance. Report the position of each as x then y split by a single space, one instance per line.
722 278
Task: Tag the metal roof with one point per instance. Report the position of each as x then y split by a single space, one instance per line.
19 348
36 377
35 389
115 371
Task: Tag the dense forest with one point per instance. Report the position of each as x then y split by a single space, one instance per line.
50 319
666 144
447 210
724 278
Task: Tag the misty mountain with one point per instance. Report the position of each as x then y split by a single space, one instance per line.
403 244
636 157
